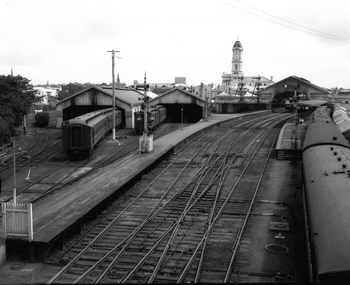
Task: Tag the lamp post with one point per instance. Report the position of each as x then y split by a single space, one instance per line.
20 151
139 119
14 174
182 117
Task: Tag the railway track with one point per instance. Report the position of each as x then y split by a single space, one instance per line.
73 166
43 146
184 222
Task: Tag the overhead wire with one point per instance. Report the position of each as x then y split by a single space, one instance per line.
22 20
290 22
107 61
312 31
40 22
46 34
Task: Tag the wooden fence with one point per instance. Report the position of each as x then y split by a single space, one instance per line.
17 220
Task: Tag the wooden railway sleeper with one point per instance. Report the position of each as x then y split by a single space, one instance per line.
173 248
204 238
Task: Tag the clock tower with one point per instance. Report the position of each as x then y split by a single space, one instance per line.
237 59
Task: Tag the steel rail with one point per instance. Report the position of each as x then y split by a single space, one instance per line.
61 272
208 166
152 211
212 224
20 167
222 176
226 280
188 206
216 175
129 205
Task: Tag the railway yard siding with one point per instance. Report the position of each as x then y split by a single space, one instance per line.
55 213
267 245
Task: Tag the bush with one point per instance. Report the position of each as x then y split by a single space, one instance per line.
5 133
16 98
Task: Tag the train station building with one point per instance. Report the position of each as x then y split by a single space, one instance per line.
284 89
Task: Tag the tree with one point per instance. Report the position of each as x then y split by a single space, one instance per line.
16 97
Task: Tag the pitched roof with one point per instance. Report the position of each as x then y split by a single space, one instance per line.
128 96
183 91
298 79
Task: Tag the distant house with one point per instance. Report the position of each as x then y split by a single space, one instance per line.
45 94
203 90
341 96
70 89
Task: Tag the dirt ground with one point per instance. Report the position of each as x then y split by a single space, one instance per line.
26 273
38 273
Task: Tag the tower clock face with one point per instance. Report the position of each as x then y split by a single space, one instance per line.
235 55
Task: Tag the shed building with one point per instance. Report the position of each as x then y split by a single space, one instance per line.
94 98
278 93
182 106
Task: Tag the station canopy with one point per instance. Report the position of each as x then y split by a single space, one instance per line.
312 103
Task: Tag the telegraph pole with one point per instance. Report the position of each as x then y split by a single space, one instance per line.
113 51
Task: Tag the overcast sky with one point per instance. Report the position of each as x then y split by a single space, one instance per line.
63 41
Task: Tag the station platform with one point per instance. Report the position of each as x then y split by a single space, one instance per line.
53 214
285 140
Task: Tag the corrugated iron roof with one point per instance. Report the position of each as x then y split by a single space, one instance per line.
129 96
312 103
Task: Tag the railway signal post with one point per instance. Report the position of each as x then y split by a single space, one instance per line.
147 138
294 139
257 86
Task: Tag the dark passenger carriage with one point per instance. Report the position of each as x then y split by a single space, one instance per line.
326 170
83 133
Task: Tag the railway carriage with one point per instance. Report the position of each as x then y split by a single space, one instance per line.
326 170
83 133
155 117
